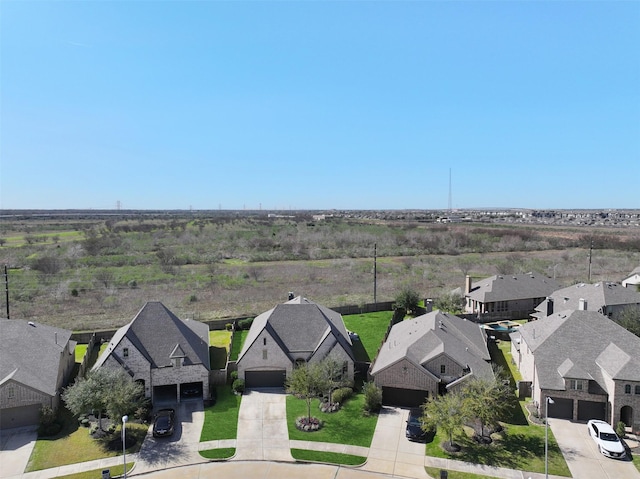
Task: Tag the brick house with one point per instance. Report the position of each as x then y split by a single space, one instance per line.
36 362
429 355
296 332
163 352
508 296
588 365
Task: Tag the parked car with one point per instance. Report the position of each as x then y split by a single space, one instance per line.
606 439
164 423
414 426
191 391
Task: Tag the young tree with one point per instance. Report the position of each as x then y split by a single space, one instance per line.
106 389
486 401
331 377
305 381
407 299
446 413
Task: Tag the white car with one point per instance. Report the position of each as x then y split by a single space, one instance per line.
606 438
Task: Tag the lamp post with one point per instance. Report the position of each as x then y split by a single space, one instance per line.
547 401
125 418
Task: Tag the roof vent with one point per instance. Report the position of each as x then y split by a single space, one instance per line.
31 323
291 295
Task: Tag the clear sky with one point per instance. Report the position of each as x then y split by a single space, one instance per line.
319 104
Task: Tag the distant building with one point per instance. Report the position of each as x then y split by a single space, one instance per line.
633 280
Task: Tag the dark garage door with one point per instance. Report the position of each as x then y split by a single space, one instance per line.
403 397
20 416
165 394
561 408
591 410
265 379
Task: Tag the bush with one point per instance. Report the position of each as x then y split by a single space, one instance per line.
74 292
193 298
238 386
372 398
133 284
245 323
233 375
228 326
341 395
620 429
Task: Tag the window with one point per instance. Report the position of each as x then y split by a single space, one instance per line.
125 352
264 354
11 393
443 369
264 341
637 389
627 388
575 384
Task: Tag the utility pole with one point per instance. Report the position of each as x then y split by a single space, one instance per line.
375 273
590 251
6 288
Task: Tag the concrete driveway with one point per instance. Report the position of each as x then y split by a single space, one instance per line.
582 455
391 452
15 450
262 426
179 449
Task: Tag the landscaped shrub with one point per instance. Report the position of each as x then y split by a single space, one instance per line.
307 424
341 395
620 429
228 326
238 386
245 323
372 398
233 375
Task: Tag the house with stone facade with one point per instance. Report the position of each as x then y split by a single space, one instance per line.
587 363
607 298
507 296
166 354
296 332
429 355
36 362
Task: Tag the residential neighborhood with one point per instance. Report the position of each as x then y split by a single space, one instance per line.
575 362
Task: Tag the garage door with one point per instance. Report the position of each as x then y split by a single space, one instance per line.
403 397
265 379
20 416
561 408
591 410
165 394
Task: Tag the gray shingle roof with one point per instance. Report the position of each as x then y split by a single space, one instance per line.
512 287
592 342
425 337
597 296
299 325
160 335
30 353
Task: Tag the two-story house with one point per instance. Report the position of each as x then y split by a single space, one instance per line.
588 365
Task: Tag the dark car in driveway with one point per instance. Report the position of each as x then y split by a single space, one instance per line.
164 422
414 426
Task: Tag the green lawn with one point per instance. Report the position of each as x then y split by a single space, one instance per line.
115 471
81 350
74 444
221 453
435 473
520 446
219 344
507 362
238 341
636 460
327 457
371 328
347 426
221 419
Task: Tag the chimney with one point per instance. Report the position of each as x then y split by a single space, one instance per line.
467 284
291 295
549 306
582 304
428 305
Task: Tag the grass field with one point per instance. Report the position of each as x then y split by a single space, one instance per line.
239 337
327 457
221 419
435 473
114 471
219 344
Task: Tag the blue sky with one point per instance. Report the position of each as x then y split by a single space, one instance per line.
319 105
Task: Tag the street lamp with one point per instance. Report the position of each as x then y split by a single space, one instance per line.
547 401
125 418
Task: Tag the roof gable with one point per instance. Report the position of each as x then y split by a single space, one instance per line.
512 287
